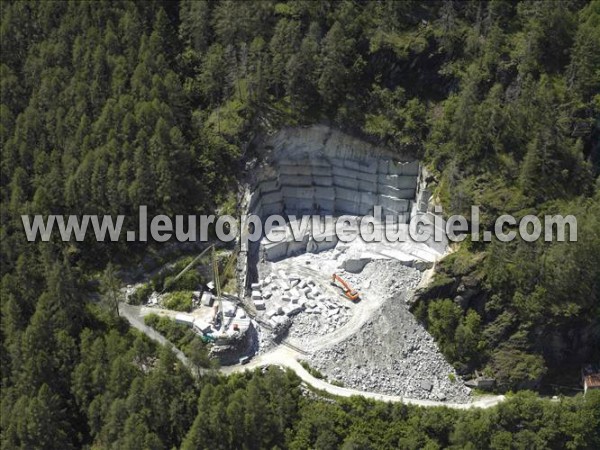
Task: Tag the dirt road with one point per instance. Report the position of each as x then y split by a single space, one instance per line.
361 312
287 357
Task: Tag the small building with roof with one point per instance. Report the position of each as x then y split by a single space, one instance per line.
590 377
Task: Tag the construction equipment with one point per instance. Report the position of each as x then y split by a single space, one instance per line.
188 267
217 281
219 317
207 338
230 262
348 291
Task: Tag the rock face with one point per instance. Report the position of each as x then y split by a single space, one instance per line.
355 265
322 172
317 170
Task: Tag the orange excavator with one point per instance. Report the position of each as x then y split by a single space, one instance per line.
348 291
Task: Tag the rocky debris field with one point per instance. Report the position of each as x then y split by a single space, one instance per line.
306 326
373 345
391 353
265 341
293 299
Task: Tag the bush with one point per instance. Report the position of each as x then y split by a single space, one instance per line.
151 320
176 333
517 369
314 372
140 295
178 301
189 281
181 336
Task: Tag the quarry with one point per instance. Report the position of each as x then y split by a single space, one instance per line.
300 290
337 301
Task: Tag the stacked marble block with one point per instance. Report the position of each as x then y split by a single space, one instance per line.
334 186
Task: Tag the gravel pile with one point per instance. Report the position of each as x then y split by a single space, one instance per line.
290 291
391 353
265 341
321 322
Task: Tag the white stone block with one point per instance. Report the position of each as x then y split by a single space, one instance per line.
367 177
323 181
325 193
296 180
292 310
347 206
369 166
321 171
345 172
344 182
268 186
367 186
300 192
270 209
353 165
347 194
271 198
295 169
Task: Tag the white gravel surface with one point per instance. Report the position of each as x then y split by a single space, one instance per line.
391 353
376 344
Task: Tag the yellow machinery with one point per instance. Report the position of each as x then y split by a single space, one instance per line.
217 281
348 291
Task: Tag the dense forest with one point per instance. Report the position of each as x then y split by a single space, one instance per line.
109 105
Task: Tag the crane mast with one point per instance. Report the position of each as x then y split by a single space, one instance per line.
217 282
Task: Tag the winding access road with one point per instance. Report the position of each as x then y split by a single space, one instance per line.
288 357
135 319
